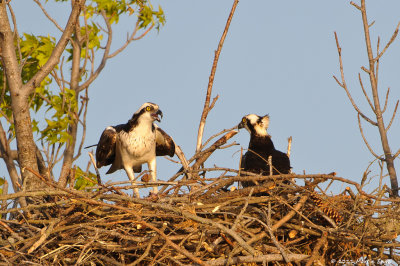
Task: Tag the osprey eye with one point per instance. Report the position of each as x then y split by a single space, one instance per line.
148 108
244 119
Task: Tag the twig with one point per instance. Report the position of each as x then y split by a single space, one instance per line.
95 168
315 254
289 147
365 140
48 16
206 153
207 107
261 258
344 86
288 216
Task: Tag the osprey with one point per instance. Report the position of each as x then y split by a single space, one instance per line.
128 146
260 148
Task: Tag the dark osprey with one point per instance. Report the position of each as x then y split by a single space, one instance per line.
260 148
128 146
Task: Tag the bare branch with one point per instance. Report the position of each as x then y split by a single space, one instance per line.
85 60
207 107
289 147
394 114
344 86
315 254
365 93
48 16
105 56
379 119
396 154
9 157
216 135
206 153
128 41
356 6
85 101
389 43
365 140
377 61
386 100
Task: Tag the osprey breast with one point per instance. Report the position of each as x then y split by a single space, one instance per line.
137 145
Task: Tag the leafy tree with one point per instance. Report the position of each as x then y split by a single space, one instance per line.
52 76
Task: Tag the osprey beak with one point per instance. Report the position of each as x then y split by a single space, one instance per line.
158 115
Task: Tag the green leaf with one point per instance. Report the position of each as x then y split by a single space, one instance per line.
83 179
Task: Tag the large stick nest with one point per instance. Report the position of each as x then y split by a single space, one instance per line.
202 221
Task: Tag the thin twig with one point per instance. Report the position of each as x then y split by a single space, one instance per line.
207 107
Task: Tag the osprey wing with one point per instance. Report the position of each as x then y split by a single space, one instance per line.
105 152
164 143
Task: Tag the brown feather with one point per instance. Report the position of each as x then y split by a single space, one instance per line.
164 143
105 152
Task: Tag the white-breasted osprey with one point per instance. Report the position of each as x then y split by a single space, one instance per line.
260 148
128 146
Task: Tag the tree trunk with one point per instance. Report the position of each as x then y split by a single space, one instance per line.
19 104
378 110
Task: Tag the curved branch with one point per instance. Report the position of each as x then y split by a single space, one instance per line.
394 114
365 140
344 86
85 101
365 93
131 38
396 154
54 58
105 56
386 101
389 43
8 156
207 107
48 16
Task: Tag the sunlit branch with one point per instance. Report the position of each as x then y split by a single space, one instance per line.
389 43
85 101
16 35
105 56
58 49
365 140
344 86
394 114
386 100
48 16
365 93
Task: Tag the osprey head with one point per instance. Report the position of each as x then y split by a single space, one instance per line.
255 124
149 111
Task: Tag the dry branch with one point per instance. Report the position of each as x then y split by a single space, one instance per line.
212 226
207 106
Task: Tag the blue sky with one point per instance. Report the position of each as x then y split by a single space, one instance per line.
278 59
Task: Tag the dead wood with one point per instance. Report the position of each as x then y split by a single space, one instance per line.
211 225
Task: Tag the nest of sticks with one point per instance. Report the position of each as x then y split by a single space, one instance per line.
206 221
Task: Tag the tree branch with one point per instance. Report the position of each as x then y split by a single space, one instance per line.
394 114
344 86
105 56
389 43
54 58
48 16
207 107
386 101
365 93
365 140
